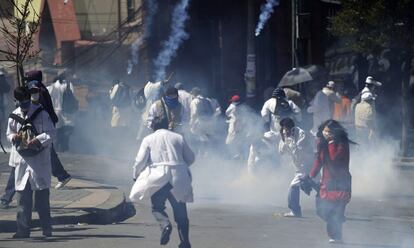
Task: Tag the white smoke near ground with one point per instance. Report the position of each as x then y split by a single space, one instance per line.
177 36
266 11
152 9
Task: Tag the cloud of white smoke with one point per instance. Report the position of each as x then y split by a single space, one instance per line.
266 11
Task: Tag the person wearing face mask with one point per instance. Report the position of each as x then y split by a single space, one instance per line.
291 143
167 109
40 95
32 169
335 186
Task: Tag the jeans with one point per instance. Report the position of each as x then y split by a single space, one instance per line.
333 213
63 135
294 200
24 209
180 213
10 190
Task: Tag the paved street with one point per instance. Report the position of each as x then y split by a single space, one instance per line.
247 214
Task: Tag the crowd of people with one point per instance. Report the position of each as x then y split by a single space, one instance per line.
176 126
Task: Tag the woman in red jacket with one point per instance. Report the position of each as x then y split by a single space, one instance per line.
335 190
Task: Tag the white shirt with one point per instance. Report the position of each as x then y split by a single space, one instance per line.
36 169
164 157
56 91
268 109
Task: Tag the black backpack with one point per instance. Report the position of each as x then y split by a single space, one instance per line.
204 108
28 132
282 108
69 105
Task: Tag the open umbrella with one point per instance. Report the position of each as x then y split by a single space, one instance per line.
300 75
295 76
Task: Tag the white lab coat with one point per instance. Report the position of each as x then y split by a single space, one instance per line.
56 91
268 109
199 125
322 106
164 157
36 169
121 117
185 99
153 92
236 119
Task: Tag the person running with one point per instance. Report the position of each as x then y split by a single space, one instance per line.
335 187
161 172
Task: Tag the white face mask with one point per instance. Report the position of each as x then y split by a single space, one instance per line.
34 97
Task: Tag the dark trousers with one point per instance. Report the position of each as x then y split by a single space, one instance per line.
10 190
180 213
24 209
294 200
57 168
57 171
63 135
333 213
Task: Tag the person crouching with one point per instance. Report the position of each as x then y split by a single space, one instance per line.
292 139
30 155
161 172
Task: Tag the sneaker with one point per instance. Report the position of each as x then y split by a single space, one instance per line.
165 235
4 205
61 184
335 241
291 214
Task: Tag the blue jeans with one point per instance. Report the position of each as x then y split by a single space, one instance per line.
294 200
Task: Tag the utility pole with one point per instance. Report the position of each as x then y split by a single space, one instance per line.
119 22
294 32
250 74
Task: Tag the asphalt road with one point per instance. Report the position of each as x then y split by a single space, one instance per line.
233 210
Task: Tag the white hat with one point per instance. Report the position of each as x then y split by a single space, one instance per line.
371 80
367 96
330 84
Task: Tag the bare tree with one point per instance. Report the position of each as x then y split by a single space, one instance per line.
18 33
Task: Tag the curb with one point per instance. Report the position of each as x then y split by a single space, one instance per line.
115 209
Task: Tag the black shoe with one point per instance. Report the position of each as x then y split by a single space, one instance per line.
4 205
21 236
165 235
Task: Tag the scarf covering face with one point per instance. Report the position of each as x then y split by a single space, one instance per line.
172 102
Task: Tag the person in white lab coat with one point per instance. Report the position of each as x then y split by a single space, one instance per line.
291 143
277 108
161 172
322 105
66 120
236 138
185 99
32 172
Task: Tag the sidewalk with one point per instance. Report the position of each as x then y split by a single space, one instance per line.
80 201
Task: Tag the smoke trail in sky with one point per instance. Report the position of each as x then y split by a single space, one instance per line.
267 10
152 8
177 36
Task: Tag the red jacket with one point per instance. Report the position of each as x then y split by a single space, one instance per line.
335 163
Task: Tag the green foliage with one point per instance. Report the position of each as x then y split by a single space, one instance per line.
372 25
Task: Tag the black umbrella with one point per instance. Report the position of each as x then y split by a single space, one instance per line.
302 74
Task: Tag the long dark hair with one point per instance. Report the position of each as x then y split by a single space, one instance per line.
340 135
